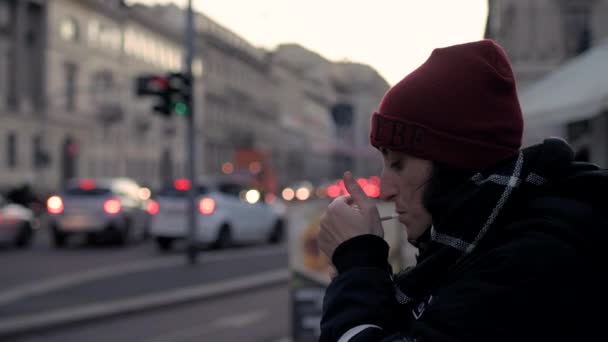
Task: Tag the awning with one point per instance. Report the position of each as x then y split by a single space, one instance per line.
576 91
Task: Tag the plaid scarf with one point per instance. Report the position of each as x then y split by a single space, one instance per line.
464 218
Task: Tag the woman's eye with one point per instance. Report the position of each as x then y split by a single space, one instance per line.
396 165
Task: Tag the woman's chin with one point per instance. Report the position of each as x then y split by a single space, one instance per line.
412 234
412 237
402 220
405 224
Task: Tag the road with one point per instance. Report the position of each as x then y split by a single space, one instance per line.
257 316
43 280
42 261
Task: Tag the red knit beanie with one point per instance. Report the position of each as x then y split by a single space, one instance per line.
459 108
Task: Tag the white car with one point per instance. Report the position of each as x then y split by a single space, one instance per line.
110 208
227 212
17 224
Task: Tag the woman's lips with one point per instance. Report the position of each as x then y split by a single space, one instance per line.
402 216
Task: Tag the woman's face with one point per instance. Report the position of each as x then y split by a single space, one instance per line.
403 182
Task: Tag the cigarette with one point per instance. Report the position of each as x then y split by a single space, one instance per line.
385 218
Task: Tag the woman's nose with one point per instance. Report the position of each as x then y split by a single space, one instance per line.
388 190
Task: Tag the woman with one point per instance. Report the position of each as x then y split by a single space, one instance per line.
510 240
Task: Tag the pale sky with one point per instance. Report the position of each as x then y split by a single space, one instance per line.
393 36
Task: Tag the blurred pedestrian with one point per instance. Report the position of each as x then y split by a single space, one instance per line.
23 195
511 240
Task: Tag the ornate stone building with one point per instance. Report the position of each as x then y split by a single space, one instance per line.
67 93
68 109
540 35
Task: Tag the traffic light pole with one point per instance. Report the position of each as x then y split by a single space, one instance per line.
191 250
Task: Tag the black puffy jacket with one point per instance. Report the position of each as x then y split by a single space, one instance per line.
516 254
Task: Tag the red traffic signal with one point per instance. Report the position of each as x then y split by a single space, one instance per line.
151 85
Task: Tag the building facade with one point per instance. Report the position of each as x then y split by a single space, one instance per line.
359 90
68 108
336 100
540 35
21 87
278 102
71 110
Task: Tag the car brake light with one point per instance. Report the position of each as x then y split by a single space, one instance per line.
112 206
8 220
206 206
270 198
87 184
153 207
333 191
54 205
182 184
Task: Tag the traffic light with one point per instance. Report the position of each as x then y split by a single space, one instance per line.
173 90
181 94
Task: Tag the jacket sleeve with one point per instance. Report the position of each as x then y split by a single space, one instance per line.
502 293
360 301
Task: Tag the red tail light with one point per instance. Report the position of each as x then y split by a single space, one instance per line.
153 207
54 205
87 184
8 220
333 191
373 191
270 198
182 184
206 206
112 206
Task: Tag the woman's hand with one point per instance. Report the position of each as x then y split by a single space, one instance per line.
347 217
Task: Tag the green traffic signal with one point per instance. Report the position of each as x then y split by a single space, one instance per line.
181 108
174 92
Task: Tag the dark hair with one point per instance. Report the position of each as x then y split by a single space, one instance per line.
442 182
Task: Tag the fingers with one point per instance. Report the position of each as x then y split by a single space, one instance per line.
332 272
343 202
357 194
348 200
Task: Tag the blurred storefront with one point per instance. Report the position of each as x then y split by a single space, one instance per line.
572 103
541 35
558 50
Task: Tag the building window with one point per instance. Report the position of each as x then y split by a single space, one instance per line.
37 151
578 37
102 86
40 155
5 16
584 39
69 30
71 73
103 35
11 150
4 77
